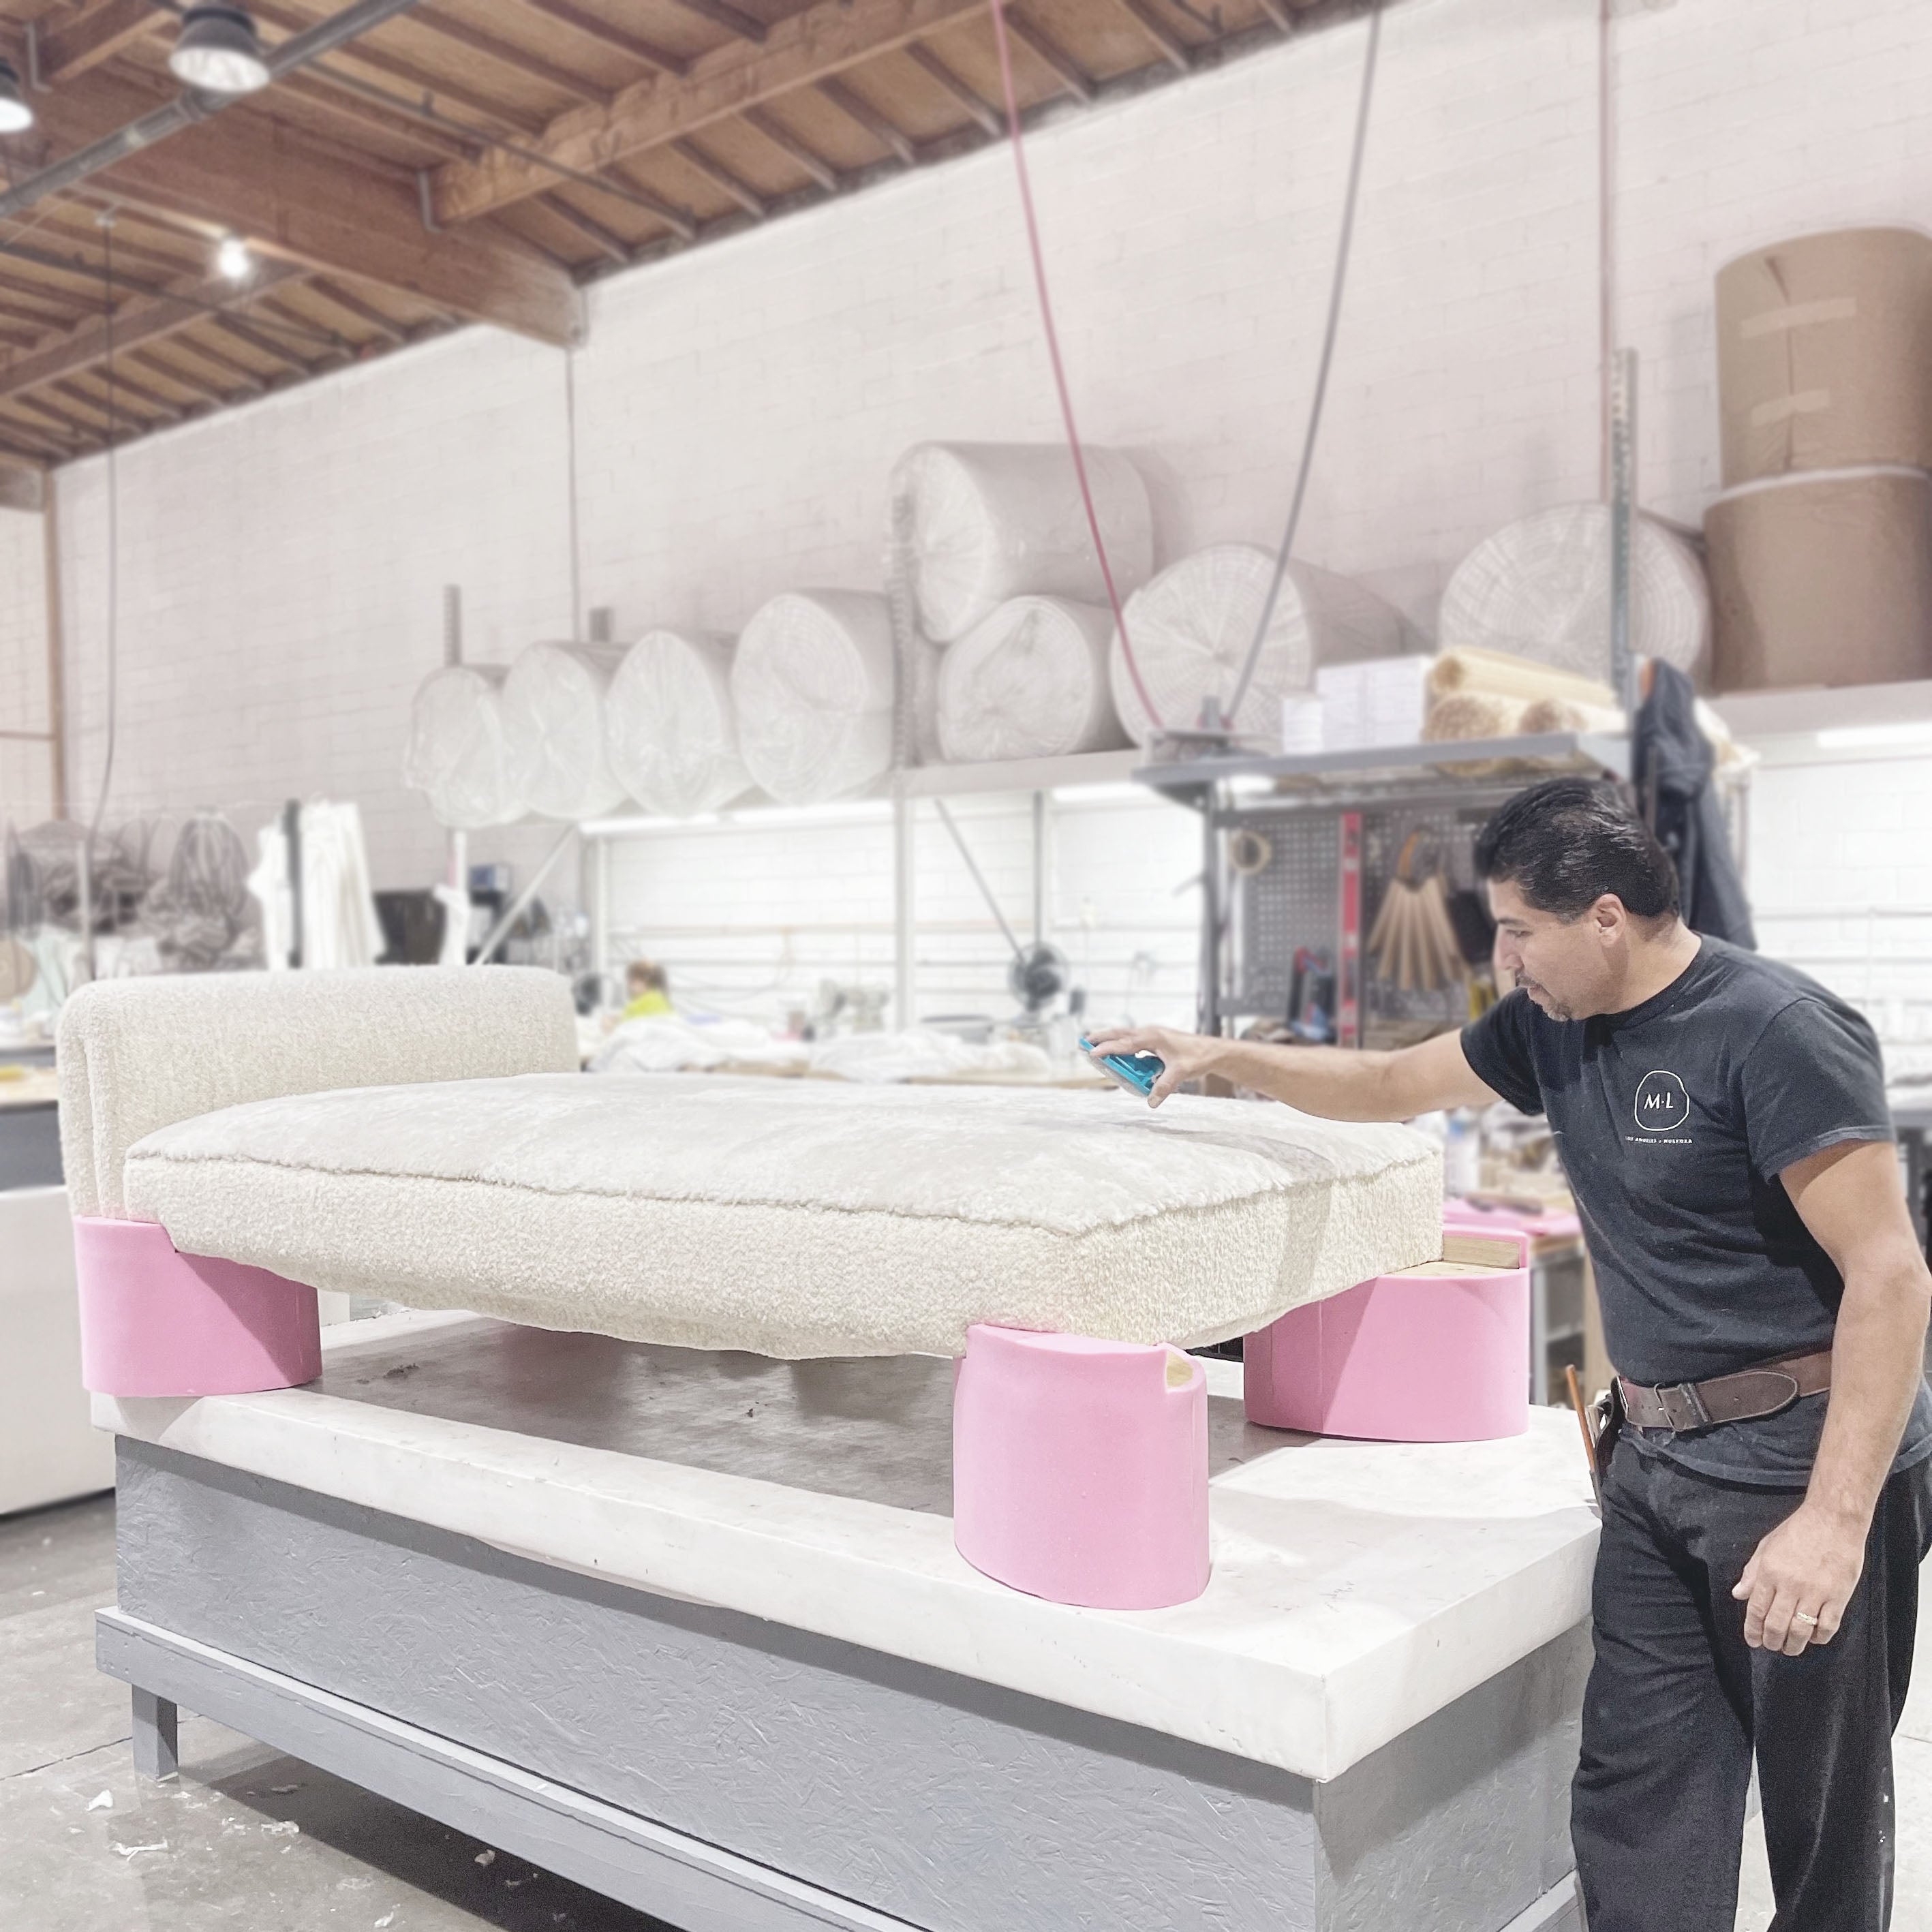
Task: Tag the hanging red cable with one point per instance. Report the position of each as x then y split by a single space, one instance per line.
1059 367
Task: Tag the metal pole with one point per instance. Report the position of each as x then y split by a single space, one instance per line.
600 911
1623 506
905 829
514 911
1209 999
452 624
1040 869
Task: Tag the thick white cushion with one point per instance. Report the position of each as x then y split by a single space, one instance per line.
798 1218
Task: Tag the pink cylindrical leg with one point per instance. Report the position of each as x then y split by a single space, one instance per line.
1080 1469
1403 1358
154 1322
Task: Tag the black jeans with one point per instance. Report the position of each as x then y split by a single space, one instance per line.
1677 1703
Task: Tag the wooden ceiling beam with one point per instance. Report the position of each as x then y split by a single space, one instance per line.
614 246
802 51
1162 41
981 110
788 144
719 175
616 39
1073 79
142 320
625 186
95 36
733 19
239 174
244 377
150 400
350 303
41 406
329 96
861 111
519 60
182 378
421 80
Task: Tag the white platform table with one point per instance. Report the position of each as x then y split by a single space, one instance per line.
692 1627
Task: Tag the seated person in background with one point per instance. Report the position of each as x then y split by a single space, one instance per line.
648 988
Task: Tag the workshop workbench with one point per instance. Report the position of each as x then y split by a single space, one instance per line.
692 1628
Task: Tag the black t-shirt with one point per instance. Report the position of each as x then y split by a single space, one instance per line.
1673 1121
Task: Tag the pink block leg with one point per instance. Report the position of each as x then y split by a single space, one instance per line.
1080 1469
154 1322
1404 1358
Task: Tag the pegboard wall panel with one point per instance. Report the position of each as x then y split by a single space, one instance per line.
1285 894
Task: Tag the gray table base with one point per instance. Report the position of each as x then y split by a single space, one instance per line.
729 1774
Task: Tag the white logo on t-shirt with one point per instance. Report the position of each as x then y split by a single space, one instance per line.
1662 1104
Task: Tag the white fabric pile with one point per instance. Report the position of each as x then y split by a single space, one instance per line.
553 704
669 1043
1192 626
1541 588
920 1053
813 684
459 751
1029 682
339 925
983 522
798 1218
670 729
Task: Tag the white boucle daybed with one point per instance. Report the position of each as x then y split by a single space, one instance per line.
790 1218
235 1144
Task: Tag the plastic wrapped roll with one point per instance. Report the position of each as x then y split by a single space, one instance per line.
1541 588
553 714
812 681
1191 627
671 731
1029 682
459 751
986 522
1497 674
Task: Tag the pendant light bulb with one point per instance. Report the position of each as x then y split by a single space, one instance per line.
232 259
16 115
217 50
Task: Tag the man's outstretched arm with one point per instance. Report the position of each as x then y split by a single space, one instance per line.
1336 1083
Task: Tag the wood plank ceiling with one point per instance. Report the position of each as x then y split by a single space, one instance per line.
479 160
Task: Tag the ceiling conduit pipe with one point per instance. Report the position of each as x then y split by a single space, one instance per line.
193 106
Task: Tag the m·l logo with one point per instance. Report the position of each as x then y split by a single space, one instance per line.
1662 1104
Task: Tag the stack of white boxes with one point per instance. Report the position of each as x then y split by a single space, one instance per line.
1376 703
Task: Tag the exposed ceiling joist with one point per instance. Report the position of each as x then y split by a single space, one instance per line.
239 174
146 319
806 49
1073 79
981 110
95 36
862 113
605 34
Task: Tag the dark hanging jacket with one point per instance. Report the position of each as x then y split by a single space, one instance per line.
1674 763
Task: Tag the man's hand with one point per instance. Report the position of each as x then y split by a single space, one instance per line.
1187 1056
1799 1580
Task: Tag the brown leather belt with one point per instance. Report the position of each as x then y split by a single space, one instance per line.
1764 1389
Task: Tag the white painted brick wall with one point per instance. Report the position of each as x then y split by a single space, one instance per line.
26 769
739 408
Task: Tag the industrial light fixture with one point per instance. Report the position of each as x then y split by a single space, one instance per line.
16 115
232 259
217 50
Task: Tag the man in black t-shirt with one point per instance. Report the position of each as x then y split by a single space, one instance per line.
1723 1125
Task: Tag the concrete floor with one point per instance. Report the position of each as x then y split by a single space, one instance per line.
246 1839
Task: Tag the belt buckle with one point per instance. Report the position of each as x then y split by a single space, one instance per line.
1683 1407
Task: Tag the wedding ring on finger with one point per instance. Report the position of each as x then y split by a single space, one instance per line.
1805 1620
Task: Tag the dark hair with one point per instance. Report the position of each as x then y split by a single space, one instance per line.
648 974
1566 842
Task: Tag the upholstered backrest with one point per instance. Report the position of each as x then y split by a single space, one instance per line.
137 1055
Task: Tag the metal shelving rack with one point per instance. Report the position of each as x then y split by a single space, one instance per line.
1333 822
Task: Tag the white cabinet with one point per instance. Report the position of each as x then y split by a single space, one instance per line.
49 1450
